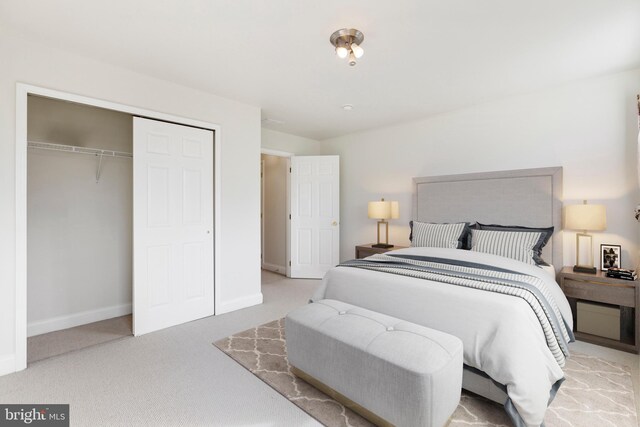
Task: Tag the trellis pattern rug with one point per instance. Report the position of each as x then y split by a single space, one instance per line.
595 393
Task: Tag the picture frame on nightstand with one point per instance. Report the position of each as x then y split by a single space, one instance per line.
610 256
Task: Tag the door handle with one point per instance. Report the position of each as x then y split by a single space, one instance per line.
334 223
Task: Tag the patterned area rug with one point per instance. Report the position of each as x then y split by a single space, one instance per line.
595 393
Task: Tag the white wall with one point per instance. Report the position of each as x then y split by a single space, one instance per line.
274 255
240 144
79 232
290 143
589 127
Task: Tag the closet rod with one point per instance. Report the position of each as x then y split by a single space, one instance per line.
79 150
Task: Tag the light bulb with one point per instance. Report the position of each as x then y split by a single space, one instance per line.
352 59
342 52
357 50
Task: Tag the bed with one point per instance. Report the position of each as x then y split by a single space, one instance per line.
507 351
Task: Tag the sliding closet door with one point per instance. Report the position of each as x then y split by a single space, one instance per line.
172 224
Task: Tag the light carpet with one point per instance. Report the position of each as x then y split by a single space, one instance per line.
595 392
51 344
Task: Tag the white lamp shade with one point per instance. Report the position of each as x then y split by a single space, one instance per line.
395 210
380 210
357 50
383 209
585 217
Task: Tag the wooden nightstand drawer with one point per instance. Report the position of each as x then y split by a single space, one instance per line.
602 289
600 292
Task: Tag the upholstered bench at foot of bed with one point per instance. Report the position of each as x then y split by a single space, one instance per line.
395 372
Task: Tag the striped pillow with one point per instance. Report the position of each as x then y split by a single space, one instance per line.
517 245
431 235
547 233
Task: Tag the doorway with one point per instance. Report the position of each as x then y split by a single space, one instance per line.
274 212
311 216
24 92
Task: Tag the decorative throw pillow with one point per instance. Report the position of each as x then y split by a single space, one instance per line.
518 245
547 232
433 235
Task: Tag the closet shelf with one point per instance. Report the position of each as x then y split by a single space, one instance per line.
78 150
100 153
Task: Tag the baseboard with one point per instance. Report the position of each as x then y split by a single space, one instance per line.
280 269
238 303
7 364
77 319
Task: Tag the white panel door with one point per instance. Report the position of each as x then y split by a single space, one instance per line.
172 224
315 215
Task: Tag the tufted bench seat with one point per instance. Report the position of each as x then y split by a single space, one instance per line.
389 370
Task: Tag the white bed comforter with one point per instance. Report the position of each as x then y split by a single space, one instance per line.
501 334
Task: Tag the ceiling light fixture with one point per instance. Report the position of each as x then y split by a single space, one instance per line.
347 42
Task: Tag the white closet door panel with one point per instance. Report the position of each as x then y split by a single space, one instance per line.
173 224
192 196
194 269
315 215
158 196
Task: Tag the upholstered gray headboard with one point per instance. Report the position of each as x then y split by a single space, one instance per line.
528 197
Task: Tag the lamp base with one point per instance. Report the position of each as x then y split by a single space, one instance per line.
583 269
382 245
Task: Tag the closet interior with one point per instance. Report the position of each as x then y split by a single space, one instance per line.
79 226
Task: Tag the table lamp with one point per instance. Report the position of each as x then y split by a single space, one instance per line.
382 211
586 218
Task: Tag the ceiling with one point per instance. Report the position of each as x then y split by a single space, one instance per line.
422 57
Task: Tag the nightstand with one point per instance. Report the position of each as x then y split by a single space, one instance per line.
600 288
363 251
